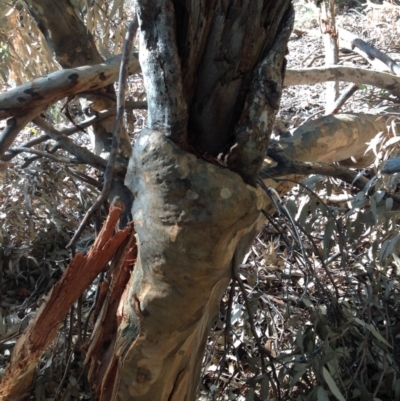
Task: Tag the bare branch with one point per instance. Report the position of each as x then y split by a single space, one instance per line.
342 99
287 167
108 175
352 42
12 152
310 76
13 127
82 154
48 89
41 153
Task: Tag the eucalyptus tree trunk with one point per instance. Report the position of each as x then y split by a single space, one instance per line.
213 73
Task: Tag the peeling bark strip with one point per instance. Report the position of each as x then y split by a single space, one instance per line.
189 216
42 329
102 356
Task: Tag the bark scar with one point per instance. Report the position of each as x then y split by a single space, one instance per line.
136 307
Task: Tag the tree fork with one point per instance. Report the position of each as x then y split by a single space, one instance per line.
190 215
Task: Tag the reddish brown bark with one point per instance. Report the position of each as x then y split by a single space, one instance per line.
101 358
81 271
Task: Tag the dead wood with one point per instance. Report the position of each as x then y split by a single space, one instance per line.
327 21
352 42
310 76
81 271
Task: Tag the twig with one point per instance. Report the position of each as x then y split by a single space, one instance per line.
108 175
41 153
85 178
342 99
68 131
82 154
287 167
261 349
13 127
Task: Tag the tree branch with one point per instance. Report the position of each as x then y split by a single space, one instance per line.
252 132
287 167
310 76
352 42
50 88
68 131
108 175
82 154
13 127
161 68
41 153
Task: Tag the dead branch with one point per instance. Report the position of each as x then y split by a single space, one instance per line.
82 154
352 42
68 131
108 175
327 22
342 99
13 127
287 167
49 155
42 329
362 76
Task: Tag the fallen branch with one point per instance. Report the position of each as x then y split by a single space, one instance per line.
342 99
362 76
41 331
352 42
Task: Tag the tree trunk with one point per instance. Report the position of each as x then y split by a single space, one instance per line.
211 106
213 72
